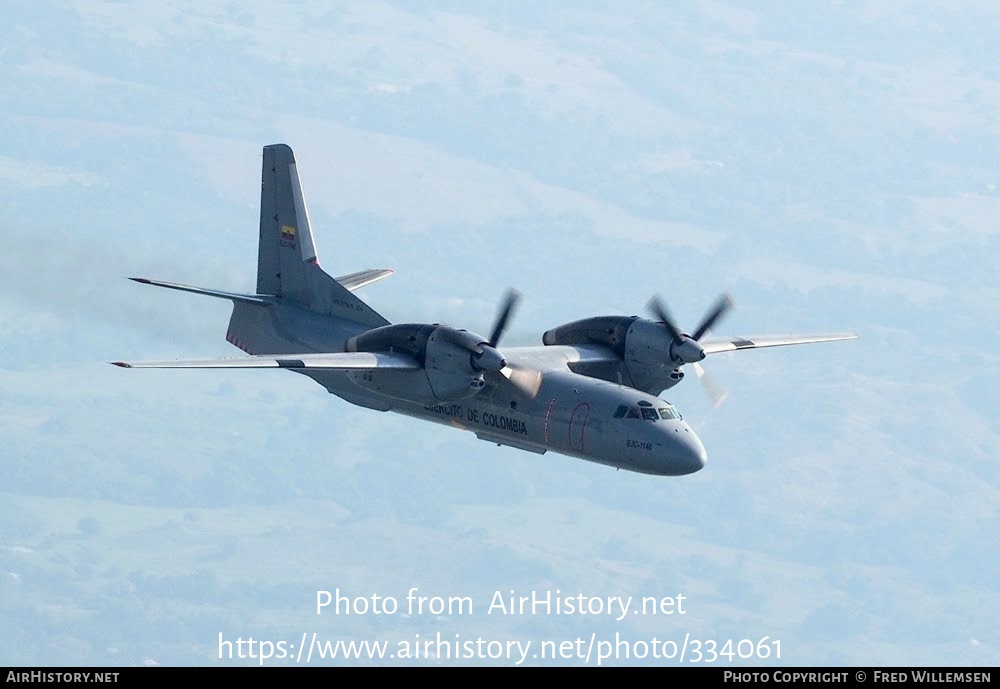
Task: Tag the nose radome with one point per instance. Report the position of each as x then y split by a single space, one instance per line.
691 455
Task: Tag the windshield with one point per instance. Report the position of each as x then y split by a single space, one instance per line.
645 411
670 413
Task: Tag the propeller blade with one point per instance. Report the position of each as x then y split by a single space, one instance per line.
528 381
513 296
657 308
724 304
715 392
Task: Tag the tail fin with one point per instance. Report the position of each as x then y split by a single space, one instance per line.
287 264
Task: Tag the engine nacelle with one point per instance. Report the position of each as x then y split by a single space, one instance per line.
644 347
448 370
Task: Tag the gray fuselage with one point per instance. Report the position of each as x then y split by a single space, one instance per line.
566 412
570 414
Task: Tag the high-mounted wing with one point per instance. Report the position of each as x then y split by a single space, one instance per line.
338 361
714 345
358 280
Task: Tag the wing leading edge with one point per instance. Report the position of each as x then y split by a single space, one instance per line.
714 345
358 280
338 361
352 282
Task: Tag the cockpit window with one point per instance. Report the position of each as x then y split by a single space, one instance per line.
669 413
645 411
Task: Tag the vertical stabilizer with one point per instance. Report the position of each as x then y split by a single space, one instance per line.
287 262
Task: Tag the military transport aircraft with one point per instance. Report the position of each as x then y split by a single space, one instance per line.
591 390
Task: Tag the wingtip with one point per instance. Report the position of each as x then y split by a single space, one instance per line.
120 364
145 281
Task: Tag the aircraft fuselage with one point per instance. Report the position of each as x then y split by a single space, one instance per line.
570 414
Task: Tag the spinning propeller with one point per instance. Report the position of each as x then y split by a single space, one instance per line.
486 357
686 349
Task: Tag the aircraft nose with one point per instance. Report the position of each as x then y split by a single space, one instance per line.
693 454
687 454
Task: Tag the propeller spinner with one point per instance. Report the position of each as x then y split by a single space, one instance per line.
687 349
485 355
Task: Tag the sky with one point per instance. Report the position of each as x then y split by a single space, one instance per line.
832 166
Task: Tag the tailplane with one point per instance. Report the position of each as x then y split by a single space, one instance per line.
287 261
232 296
286 314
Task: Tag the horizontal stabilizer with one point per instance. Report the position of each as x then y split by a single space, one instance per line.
364 277
714 345
338 361
247 298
